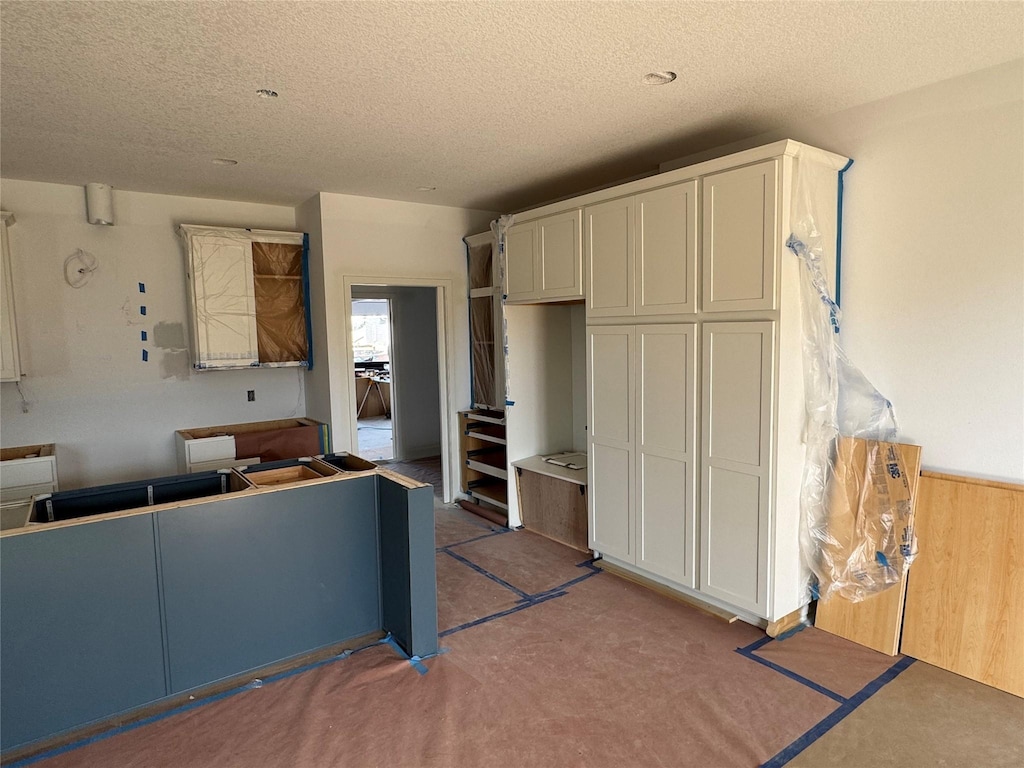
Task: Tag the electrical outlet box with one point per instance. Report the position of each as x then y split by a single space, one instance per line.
251 395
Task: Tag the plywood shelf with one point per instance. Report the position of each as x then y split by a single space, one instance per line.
493 492
491 433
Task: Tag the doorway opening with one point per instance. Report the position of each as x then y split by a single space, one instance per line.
371 355
400 381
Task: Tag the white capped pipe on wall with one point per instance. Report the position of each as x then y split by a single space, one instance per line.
99 204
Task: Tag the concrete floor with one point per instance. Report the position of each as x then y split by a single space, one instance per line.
376 438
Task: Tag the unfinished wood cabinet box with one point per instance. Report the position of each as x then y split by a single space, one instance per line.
290 474
965 593
25 471
553 501
238 445
482 447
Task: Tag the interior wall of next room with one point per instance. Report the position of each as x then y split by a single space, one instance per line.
416 408
112 414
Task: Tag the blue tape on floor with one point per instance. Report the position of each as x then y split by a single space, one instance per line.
145 336
142 287
838 714
145 356
748 652
189 706
500 614
142 309
485 572
475 538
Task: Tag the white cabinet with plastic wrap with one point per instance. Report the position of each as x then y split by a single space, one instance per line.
10 355
544 259
248 292
704 499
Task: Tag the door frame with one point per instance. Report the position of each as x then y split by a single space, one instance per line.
445 363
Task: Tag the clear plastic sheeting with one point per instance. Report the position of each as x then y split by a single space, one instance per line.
857 533
246 291
499 226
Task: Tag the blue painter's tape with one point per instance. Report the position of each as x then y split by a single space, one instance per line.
748 652
145 356
825 725
142 287
142 309
145 336
186 707
500 614
839 231
488 574
475 538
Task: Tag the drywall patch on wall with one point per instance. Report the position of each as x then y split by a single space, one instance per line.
169 336
175 365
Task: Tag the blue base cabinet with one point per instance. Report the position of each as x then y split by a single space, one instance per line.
109 614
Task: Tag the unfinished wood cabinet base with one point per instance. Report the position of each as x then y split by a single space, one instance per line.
785 624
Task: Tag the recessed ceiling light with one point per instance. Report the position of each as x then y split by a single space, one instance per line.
224 161
658 78
266 93
425 189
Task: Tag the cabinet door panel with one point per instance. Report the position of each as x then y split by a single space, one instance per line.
561 256
740 239
225 301
521 261
610 467
9 354
737 410
610 245
610 494
666 405
666 250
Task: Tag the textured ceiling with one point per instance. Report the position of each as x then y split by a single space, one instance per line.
498 105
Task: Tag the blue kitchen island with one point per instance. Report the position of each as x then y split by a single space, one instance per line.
109 607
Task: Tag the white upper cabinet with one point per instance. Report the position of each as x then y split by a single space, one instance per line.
741 236
247 291
9 353
610 258
666 250
642 254
521 262
544 259
225 302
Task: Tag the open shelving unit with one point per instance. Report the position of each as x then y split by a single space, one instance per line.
484 460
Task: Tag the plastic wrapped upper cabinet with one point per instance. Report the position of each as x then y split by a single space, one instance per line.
247 289
857 533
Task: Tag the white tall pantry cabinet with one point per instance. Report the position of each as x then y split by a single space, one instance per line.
695 399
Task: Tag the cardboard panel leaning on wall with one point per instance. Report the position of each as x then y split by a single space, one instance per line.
112 414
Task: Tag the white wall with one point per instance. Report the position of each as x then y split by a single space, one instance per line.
933 262
111 415
368 240
415 397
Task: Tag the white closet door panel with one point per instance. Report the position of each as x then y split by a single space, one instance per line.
610 465
561 255
737 411
609 242
666 436
10 359
610 491
736 396
734 542
521 261
225 301
610 411
665 515
666 250
740 238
